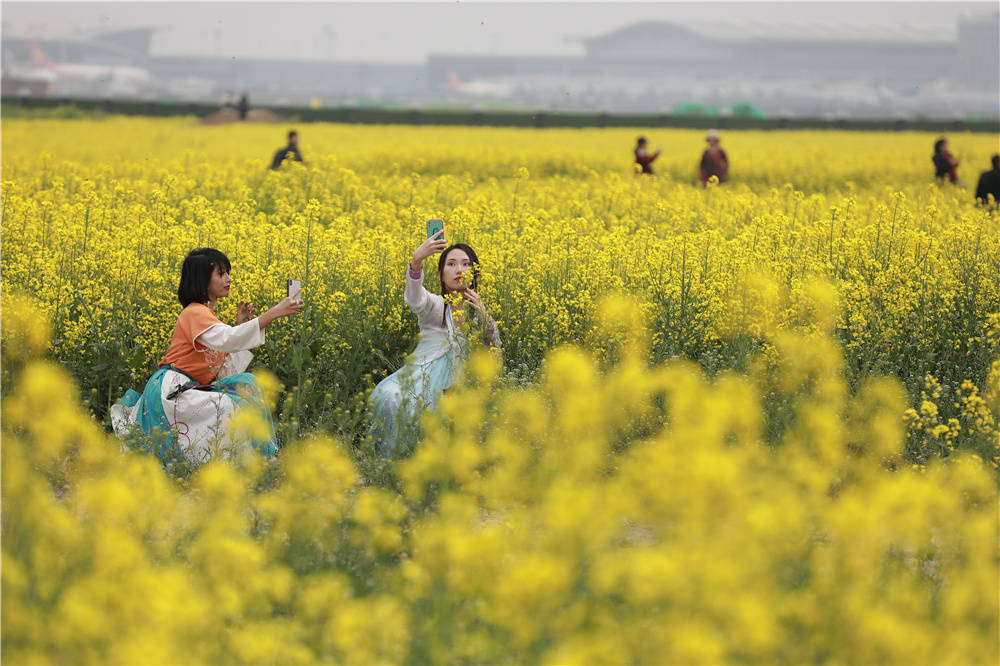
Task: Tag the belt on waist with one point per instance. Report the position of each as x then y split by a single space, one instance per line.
193 384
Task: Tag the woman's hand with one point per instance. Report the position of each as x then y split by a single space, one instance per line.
472 298
291 305
244 313
432 245
288 306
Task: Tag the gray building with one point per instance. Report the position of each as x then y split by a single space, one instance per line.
978 53
659 50
648 66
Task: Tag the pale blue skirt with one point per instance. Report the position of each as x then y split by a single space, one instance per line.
398 401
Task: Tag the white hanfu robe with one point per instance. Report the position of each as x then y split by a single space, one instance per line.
199 415
429 371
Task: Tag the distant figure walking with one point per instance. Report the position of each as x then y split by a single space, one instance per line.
945 164
643 157
244 106
291 150
714 161
989 183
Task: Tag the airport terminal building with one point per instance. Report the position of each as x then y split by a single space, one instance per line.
648 66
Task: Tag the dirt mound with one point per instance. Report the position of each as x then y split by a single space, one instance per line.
224 116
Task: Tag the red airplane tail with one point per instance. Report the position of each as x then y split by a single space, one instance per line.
38 57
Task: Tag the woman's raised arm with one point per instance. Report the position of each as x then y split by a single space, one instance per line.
429 247
290 305
415 295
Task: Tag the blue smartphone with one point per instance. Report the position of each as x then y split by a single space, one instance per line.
434 226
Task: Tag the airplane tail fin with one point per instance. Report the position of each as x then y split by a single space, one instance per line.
38 57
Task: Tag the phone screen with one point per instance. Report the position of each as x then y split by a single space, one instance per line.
434 226
295 288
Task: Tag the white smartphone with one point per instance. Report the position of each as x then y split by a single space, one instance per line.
295 288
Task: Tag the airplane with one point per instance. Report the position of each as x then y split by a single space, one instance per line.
113 77
14 68
478 88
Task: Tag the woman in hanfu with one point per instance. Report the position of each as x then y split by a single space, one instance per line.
447 324
200 383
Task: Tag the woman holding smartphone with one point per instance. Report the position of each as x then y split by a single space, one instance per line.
447 323
201 381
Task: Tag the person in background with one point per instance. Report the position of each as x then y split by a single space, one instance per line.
292 149
448 324
244 106
643 157
714 161
945 164
989 183
202 380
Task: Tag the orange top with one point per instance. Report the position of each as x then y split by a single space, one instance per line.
185 353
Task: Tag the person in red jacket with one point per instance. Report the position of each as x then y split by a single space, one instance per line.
643 157
945 164
714 161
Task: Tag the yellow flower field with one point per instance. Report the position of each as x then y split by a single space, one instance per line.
753 423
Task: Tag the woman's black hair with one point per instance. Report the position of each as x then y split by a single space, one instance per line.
641 140
938 144
475 270
196 273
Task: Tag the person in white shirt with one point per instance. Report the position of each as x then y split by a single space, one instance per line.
448 323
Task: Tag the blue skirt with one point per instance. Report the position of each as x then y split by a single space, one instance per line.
399 399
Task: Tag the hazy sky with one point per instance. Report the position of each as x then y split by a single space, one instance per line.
407 32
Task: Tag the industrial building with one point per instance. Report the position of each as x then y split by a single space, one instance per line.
646 66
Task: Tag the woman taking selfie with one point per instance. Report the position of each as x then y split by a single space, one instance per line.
447 324
201 380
